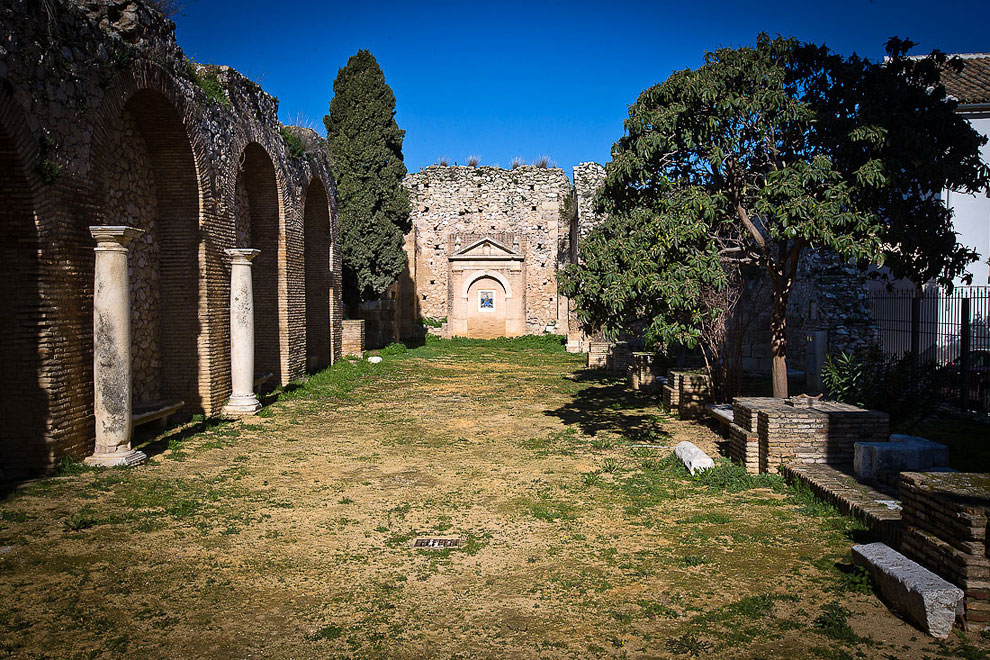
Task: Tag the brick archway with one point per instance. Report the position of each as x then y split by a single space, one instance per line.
150 181
257 212
318 274
24 405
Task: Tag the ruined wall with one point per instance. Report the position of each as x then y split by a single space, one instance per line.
104 121
588 180
460 201
829 294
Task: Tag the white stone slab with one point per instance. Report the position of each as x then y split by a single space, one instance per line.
693 458
374 359
910 588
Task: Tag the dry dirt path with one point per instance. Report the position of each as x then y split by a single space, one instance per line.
290 535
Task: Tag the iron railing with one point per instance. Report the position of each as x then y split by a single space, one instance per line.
951 330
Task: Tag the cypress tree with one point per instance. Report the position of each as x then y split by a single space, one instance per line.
366 154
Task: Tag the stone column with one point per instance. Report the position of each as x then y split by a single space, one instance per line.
112 348
242 399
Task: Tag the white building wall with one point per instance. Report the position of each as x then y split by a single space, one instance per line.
972 215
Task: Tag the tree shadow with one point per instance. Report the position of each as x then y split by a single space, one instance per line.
608 405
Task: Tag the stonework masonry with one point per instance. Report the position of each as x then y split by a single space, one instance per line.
103 121
455 209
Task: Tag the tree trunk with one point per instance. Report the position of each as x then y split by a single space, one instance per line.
778 339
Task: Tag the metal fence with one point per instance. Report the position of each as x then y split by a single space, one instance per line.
952 330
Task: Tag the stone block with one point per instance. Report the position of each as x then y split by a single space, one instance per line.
693 458
923 597
901 454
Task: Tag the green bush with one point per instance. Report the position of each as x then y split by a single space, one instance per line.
209 82
292 142
905 390
393 349
433 323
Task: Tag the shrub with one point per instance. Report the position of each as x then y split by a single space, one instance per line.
295 145
394 348
517 162
443 161
433 323
905 390
473 161
209 82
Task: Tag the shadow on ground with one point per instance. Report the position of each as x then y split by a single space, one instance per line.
608 405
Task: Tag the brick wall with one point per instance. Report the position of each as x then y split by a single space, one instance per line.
352 337
138 141
945 517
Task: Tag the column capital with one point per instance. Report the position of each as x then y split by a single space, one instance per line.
114 237
242 255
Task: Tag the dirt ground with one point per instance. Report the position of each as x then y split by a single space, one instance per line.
291 535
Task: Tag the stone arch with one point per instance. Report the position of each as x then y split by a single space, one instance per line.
469 282
258 224
24 404
148 177
318 267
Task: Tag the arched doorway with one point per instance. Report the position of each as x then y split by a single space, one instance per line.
23 403
257 214
316 236
486 309
151 184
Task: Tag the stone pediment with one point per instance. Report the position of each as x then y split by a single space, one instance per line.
486 249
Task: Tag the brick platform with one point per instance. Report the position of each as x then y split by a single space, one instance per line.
767 432
687 393
861 501
945 529
352 342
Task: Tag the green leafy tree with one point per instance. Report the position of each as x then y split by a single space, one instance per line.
755 156
366 154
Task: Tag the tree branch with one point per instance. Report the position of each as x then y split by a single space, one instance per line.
752 228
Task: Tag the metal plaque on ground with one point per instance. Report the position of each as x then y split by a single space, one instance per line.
436 544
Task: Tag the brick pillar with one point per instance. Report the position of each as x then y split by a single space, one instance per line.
112 348
242 399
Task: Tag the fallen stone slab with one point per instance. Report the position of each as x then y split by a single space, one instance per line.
923 597
903 453
693 458
374 359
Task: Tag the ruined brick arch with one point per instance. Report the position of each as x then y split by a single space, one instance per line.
318 258
146 175
259 224
24 405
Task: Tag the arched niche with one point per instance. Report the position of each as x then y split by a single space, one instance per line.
318 264
24 406
256 206
150 178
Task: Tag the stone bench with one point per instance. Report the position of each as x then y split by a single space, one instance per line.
156 411
723 415
903 453
910 588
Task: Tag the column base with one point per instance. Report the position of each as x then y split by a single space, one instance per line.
242 404
126 458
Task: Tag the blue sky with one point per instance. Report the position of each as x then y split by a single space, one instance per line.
507 79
